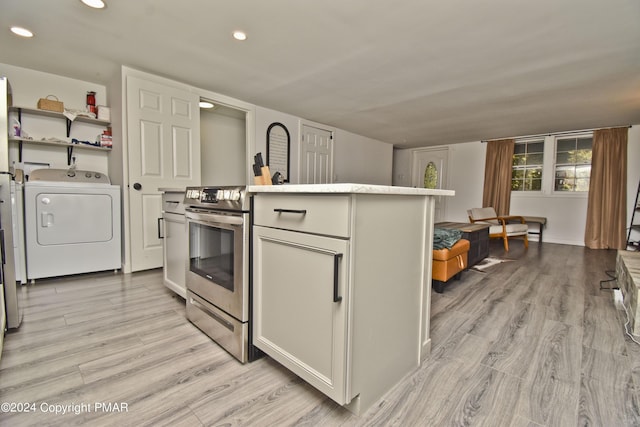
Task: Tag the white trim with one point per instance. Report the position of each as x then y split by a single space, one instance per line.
544 150
415 151
444 179
555 138
527 194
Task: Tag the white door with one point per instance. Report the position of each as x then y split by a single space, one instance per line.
163 131
430 171
316 156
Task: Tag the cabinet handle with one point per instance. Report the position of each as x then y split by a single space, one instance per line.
160 236
297 211
336 264
2 249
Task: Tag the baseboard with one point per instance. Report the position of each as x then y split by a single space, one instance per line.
550 239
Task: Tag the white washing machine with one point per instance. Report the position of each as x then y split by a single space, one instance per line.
72 223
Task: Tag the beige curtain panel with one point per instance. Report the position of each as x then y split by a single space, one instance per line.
606 209
497 176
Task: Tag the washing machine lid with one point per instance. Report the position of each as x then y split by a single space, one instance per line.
70 175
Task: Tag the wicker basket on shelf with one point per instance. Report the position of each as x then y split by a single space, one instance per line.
51 103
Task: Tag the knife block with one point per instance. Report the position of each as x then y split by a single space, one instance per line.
265 178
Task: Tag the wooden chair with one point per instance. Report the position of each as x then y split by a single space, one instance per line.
499 226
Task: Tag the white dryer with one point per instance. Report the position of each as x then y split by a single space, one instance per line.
72 223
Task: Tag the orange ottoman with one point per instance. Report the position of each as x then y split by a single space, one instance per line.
448 263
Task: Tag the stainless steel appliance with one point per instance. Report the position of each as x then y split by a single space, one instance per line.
217 275
8 276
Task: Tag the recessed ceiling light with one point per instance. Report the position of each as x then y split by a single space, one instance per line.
239 35
22 32
205 104
96 4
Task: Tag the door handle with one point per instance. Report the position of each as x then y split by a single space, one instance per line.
336 278
137 186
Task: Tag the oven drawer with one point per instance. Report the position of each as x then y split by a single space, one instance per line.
318 214
229 333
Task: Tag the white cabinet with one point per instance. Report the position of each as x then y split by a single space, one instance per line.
300 293
341 288
175 246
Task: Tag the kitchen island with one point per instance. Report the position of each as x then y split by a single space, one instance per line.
342 284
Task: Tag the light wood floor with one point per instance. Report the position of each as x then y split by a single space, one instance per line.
530 342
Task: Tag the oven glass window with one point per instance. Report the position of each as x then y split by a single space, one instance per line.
211 254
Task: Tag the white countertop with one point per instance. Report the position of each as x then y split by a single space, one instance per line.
347 188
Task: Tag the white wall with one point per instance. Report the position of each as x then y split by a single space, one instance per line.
566 214
401 167
361 160
355 158
28 86
466 175
264 117
222 149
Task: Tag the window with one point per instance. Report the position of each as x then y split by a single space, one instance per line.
573 163
526 172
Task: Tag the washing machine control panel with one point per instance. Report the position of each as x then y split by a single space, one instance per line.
69 175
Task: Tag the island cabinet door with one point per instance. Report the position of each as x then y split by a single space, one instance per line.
300 302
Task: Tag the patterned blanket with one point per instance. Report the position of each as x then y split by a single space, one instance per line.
445 238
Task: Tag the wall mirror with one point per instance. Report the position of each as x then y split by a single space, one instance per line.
278 149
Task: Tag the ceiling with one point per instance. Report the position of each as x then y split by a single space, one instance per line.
413 73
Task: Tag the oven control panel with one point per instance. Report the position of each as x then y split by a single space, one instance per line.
215 196
212 195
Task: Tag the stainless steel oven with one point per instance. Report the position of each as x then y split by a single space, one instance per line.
218 267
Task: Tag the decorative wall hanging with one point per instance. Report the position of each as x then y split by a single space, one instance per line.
278 149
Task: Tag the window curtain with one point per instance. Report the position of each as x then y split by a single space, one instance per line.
497 175
607 205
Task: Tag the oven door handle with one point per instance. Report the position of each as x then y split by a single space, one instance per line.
212 218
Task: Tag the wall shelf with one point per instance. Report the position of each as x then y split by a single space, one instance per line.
54 141
55 114
57 143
